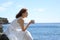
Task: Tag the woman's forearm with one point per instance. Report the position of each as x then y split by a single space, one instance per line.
26 27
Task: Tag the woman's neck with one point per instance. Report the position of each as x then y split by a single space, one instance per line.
23 17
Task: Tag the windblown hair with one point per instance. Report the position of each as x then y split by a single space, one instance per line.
23 10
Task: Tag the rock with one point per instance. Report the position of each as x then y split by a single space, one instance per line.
3 21
1 28
4 37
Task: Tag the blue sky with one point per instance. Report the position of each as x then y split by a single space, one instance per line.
42 11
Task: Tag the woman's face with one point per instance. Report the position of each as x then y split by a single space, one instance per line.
25 14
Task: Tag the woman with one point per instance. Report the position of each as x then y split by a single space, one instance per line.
17 28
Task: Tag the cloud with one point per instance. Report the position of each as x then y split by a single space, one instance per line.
39 9
7 4
2 9
21 6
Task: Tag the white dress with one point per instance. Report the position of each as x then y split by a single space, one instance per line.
14 32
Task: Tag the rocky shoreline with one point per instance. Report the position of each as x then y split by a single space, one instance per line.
2 21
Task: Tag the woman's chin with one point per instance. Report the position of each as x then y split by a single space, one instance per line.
26 17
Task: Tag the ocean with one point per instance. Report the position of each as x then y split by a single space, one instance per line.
45 31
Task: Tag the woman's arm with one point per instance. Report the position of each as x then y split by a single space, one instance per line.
32 21
21 22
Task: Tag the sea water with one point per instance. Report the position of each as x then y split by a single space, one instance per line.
44 31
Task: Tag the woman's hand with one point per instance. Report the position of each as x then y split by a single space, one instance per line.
31 22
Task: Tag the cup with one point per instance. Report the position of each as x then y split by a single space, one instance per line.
33 21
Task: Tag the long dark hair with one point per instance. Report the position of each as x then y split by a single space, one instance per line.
23 10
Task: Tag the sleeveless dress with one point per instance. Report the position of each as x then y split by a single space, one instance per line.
14 32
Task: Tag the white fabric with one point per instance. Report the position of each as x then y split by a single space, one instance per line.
14 32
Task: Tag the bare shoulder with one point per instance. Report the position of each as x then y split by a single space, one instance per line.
20 20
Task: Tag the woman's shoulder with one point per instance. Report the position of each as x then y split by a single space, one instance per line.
20 20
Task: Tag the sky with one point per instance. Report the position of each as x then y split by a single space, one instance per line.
42 11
